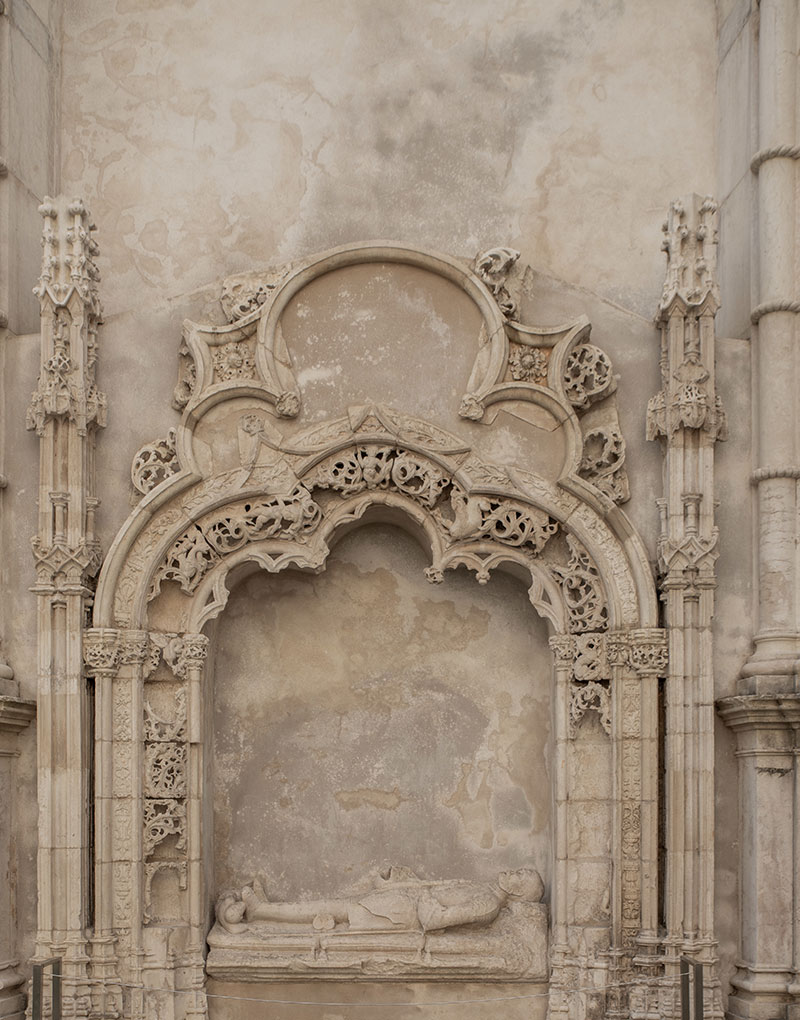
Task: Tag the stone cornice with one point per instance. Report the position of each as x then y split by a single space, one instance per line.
15 714
760 711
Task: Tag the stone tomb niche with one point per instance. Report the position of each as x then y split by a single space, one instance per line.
365 720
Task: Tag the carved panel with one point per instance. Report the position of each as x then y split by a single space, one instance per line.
381 467
165 769
498 519
163 818
195 552
582 589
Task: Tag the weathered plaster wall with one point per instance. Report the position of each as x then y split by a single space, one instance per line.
364 715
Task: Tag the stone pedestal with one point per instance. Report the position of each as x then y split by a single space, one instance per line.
766 730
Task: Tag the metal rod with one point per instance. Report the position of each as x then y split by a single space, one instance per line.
685 1009
38 974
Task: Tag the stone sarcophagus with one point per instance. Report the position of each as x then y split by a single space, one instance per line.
394 926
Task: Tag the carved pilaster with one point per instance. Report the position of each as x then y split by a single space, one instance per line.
687 417
15 715
65 411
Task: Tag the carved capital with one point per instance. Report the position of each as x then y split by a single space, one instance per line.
649 652
194 651
134 647
101 651
563 646
60 563
643 650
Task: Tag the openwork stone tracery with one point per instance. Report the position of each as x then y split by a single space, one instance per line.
278 492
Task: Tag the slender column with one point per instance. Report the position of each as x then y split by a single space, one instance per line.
65 411
564 653
195 650
15 715
776 423
688 417
766 983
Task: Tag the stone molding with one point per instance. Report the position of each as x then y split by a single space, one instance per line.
16 714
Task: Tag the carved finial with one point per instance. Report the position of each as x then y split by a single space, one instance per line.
690 242
69 252
71 312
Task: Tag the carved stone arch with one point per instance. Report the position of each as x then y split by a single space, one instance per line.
278 493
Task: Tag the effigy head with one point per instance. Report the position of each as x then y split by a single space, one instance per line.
522 884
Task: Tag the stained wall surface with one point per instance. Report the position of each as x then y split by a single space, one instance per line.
363 715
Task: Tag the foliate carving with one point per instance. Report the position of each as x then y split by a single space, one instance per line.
381 467
187 377
590 662
592 695
649 652
194 651
288 404
234 360
588 376
243 293
154 463
101 651
582 589
164 818
502 520
493 267
689 407
157 730
563 646
134 647
528 364
603 462
165 769
471 407
195 552
64 391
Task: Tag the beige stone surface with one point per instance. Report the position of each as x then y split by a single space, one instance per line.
316 779
359 713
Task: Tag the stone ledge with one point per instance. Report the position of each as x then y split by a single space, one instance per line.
15 714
